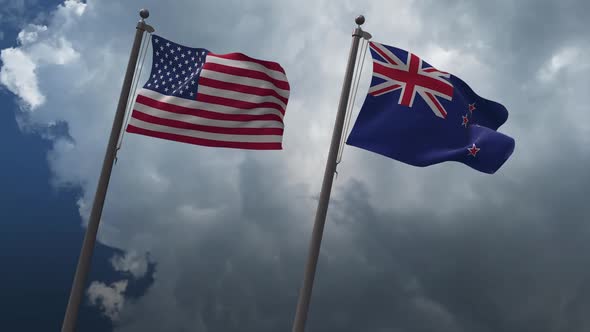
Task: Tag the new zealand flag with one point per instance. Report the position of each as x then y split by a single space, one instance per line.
422 116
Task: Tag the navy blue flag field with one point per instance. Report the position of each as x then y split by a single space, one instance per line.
422 116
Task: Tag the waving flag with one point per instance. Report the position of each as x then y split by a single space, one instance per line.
220 100
421 116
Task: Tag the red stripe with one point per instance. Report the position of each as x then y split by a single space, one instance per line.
390 88
241 88
437 104
412 73
413 78
204 142
385 56
245 73
204 113
431 69
237 103
242 57
210 129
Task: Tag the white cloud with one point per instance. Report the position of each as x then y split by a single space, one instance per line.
109 299
131 262
38 49
30 34
74 7
560 60
18 75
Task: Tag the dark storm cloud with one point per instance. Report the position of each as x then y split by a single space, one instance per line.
510 259
405 249
520 33
517 265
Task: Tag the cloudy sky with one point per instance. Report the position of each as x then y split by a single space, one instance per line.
203 239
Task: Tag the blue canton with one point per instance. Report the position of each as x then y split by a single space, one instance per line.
175 68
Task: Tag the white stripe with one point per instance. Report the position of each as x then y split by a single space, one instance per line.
383 86
401 95
431 104
389 65
435 72
188 118
206 135
244 64
435 75
390 54
193 104
211 91
244 81
387 78
438 94
414 93
420 72
434 92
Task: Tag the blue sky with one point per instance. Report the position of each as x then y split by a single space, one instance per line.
201 239
41 234
40 237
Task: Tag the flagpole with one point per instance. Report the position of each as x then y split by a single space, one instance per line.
322 210
84 261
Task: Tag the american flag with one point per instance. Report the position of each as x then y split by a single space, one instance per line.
220 100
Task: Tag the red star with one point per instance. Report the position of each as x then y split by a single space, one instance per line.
473 150
465 121
471 107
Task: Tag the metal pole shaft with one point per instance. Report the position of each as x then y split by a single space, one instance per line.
84 261
322 210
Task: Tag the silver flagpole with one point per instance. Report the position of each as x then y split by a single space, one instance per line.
77 291
320 217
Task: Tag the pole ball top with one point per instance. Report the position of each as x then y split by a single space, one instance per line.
360 19
144 13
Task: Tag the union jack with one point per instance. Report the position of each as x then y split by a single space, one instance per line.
412 76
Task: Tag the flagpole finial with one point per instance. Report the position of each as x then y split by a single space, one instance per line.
360 20
144 13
